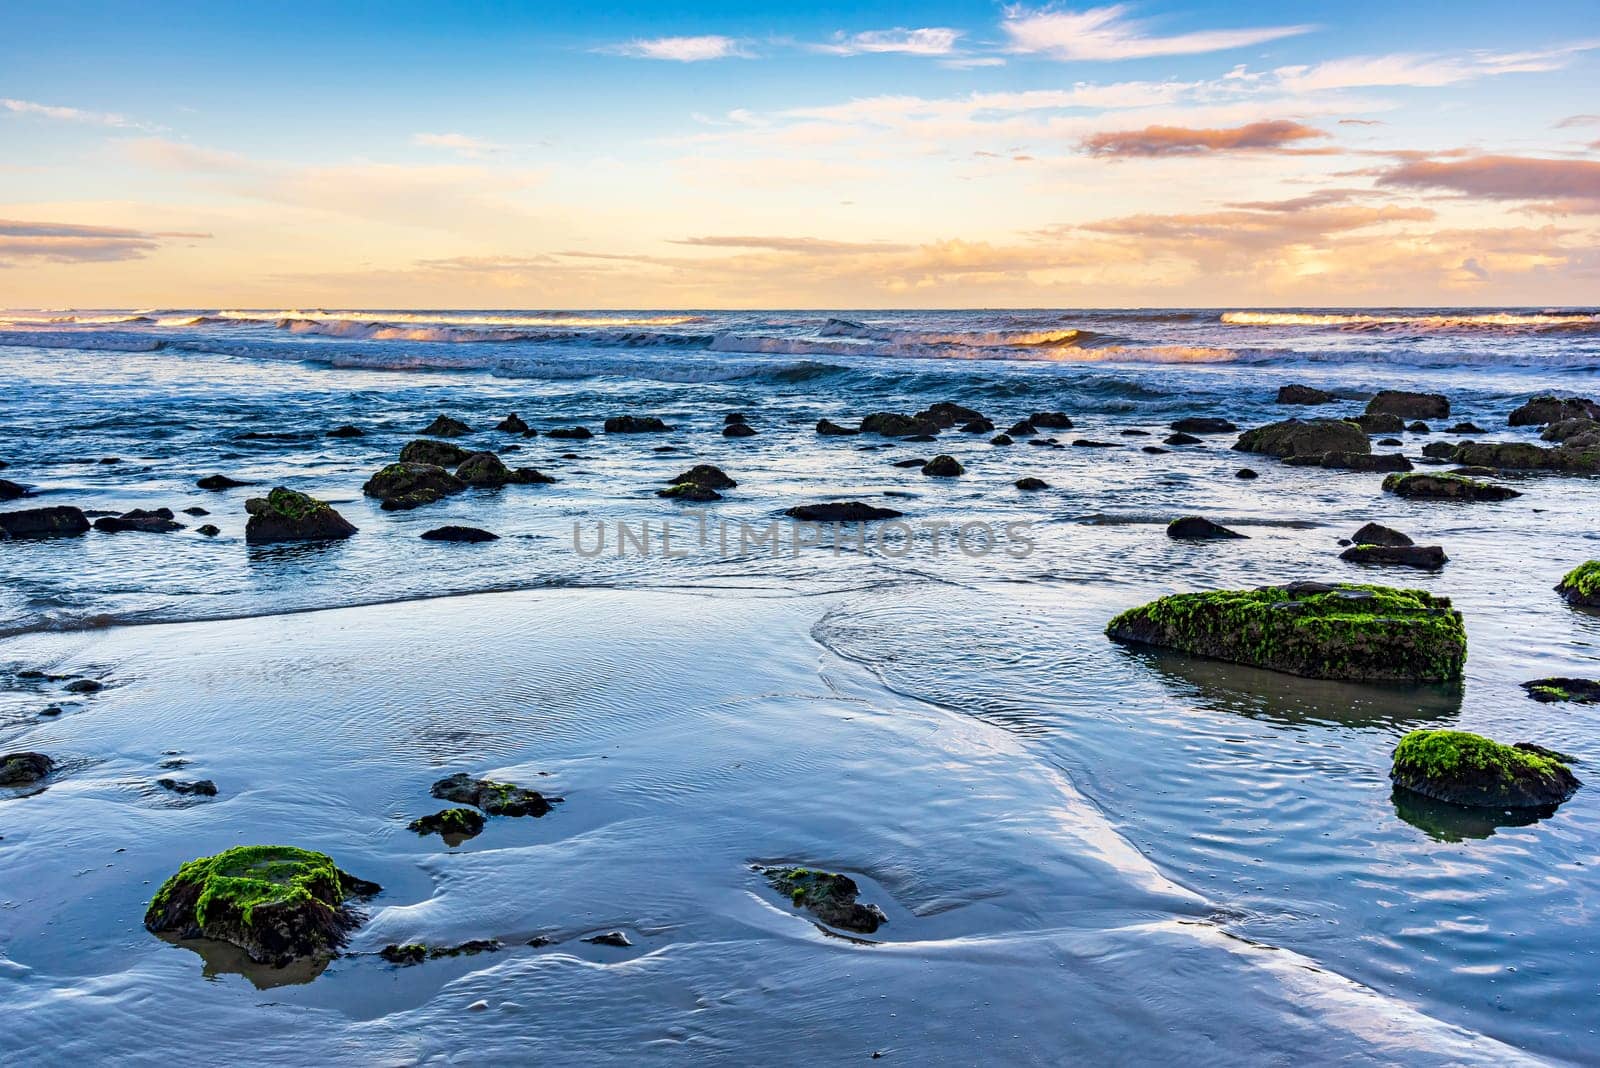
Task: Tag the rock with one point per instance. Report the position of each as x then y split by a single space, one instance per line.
1132 433
689 491
59 521
195 511
1578 433
416 953
1523 456
1050 420
1440 450
1297 437
220 482
1022 429
1581 585
1245 472
1195 527
1031 484
738 430
1469 769
946 414
198 788
827 895
436 453
1001 439
709 475
1375 534
895 425
457 823
155 521
570 433
943 466
1423 557
1181 439
84 686
1153 450
470 535
921 437
1366 461
495 798
347 431
1446 488
410 953
407 479
1393 443
24 769
1303 395
487 469
1090 443
277 903
1202 424
1409 405
977 426
1465 428
841 512
1419 427
1551 409
635 424
1580 691
512 424
830 429
1379 423
610 938
446 427
1358 633
408 501
10 491
286 515
208 530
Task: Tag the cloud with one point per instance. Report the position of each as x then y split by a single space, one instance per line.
1577 121
1571 185
811 246
1414 70
1181 141
681 49
929 41
1105 33
64 114
1362 122
461 144
49 242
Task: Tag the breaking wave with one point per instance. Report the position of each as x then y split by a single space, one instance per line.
1422 323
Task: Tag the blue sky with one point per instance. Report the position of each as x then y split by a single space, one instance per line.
946 154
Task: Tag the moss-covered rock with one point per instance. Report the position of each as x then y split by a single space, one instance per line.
1581 585
437 453
1430 487
1525 456
487 469
450 823
829 896
1469 769
689 491
1379 422
24 769
287 515
1363 461
1578 691
1368 633
1304 437
1551 409
406 478
277 903
417 952
1409 405
495 798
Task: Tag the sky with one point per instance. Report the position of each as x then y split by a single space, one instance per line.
938 155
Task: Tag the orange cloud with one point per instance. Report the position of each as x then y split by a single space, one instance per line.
1182 141
1572 185
72 243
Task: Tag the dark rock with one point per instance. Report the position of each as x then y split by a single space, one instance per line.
199 788
512 424
450 823
84 686
738 430
570 433
635 424
487 469
1475 472
1446 488
829 896
461 534
1419 427
977 426
946 414
277 903
220 482
689 491
1551 409
446 427
1245 472
709 475
1468 769
409 479
1380 423
59 521
1303 395
495 798
915 461
1022 429
1579 691
1202 424
1001 439
1132 433
347 431
1523 456
1153 450
1090 443
195 511
920 438
1393 443
1423 557
1465 428
1366 461
1576 433
436 453
208 530
1376 534
1181 439
841 512
1195 527
830 429
24 769
158 521
942 466
415 952
10 491
1440 450
286 515
1031 484
895 425
1050 420
1409 405
610 938
410 953
1309 437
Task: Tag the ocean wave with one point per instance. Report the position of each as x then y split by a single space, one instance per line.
1422 322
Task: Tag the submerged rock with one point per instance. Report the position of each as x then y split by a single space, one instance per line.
708 475
896 425
24 769
1446 488
347 431
689 491
828 428
407 479
1551 409
417 952
610 938
1304 437
739 430
495 798
829 896
208 530
1578 691
1295 394
1469 769
446 427
1423 557
434 453
1198 528
1181 439
841 512
198 788
459 823
1030 484
487 469
286 515
1358 633
1202 424
60 521
470 535
635 424
1581 585
943 466
277 903
1409 405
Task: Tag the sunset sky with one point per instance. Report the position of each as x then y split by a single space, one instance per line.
942 155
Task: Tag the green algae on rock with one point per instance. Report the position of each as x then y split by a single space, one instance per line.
1578 691
1312 629
417 952
1304 437
1581 585
437 453
409 477
457 823
829 896
286 515
277 903
1469 769
495 798
1446 488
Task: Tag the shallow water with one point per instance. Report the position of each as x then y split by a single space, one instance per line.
1079 845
